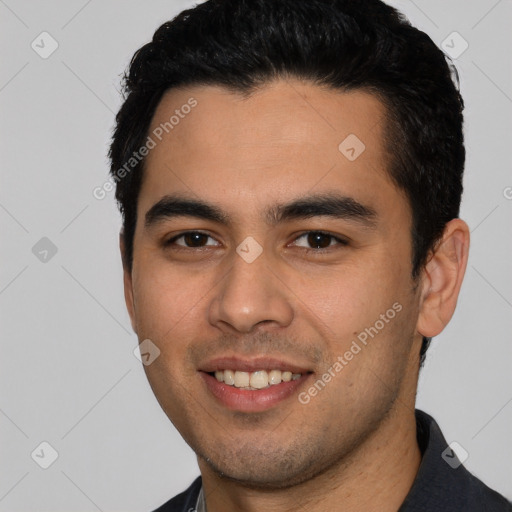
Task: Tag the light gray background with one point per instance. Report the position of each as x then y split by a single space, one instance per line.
68 374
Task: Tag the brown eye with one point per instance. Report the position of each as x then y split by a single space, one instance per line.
319 240
190 239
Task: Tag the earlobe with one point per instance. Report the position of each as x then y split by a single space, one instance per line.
128 285
442 279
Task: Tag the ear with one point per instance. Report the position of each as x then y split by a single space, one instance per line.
442 278
127 280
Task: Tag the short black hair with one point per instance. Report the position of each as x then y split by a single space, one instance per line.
342 44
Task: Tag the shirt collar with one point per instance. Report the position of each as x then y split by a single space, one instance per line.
200 503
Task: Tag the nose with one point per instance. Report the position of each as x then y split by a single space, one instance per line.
251 294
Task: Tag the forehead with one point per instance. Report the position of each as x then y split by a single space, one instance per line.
286 139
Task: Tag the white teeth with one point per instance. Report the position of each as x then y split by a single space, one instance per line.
241 379
259 380
229 377
286 376
255 380
274 377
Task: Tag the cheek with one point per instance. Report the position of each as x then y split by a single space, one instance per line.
348 298
365 311
167 306
164 292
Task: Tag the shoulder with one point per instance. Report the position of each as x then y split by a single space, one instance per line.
185 501
442 482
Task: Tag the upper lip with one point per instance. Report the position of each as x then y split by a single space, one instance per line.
251 365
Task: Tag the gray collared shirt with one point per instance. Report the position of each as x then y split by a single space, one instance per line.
200 503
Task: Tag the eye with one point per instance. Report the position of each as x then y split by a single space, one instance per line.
313 241
319 240
190 240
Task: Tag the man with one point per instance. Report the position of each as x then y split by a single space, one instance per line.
290 174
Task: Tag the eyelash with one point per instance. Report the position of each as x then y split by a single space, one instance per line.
341 242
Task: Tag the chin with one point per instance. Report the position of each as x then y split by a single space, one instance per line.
265 467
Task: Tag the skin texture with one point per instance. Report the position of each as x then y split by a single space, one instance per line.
353 445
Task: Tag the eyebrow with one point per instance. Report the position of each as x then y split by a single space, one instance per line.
318 205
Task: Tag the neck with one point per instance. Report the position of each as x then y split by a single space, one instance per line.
377 476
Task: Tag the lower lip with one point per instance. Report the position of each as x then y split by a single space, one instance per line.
247 400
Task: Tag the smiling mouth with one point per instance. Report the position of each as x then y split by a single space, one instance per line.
259 379
252 385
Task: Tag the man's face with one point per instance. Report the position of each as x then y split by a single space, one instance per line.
289 299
